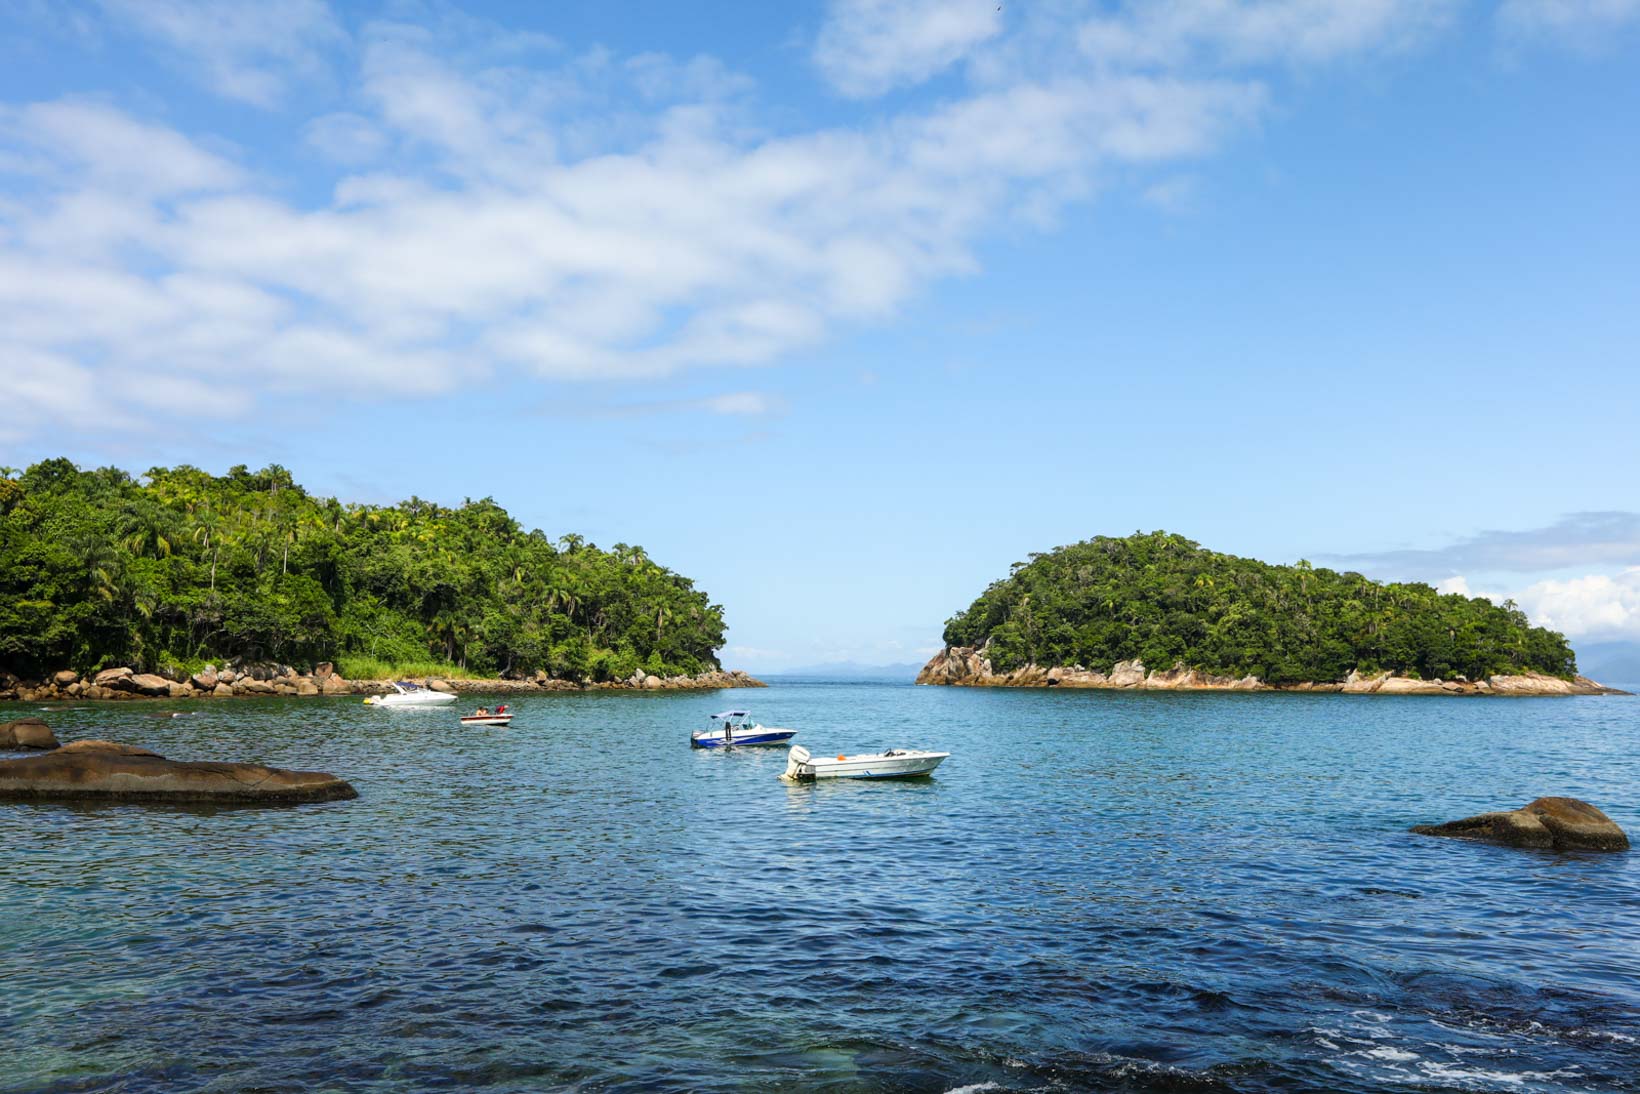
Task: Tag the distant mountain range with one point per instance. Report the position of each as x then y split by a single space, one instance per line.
849 670
1610 662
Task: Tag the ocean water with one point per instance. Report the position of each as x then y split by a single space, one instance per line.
1098 892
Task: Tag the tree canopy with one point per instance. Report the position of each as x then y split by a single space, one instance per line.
99 568
1165 600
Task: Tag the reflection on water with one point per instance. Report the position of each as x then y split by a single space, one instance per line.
1096 892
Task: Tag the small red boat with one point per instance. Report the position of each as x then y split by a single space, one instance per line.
501 716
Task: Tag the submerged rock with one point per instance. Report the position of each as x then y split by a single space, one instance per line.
1559 824
26 733
106 771
111 747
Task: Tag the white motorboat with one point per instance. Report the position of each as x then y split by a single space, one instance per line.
406 694
738 729
896 763
486 719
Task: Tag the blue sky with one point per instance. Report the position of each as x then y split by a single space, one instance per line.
841 308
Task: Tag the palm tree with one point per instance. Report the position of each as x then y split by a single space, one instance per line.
145 531
558 595
449 630
208 533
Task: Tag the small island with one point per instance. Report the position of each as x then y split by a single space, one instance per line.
178 583
1160 611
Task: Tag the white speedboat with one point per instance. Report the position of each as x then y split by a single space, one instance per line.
896 763
406 694
737 728
486 719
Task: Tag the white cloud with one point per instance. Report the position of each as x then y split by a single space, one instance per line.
1249 32
502 206
46 390
1459 585
100 147
868 47
1172 195
345 138
734 404
250 50
1595 606
742 404
1586 21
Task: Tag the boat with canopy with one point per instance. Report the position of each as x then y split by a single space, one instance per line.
734 728
408 694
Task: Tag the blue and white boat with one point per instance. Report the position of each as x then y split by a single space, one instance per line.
735 727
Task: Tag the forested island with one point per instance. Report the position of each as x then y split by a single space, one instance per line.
1096 613
176 568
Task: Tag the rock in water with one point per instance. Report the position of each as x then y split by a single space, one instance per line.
108 678
26 733
150 683
105 771
1560 824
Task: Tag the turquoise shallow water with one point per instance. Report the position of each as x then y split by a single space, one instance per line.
1099 891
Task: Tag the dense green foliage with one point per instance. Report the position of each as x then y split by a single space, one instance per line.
1166 600
98 568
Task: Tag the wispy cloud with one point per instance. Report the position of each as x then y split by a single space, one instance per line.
867 47
1173 195
501 206
250 50
1244 32
1582 22
91 149
1609 538
733 404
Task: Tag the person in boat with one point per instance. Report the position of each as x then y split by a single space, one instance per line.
481 712
502 709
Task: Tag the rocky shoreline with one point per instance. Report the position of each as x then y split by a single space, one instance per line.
965 666
261 679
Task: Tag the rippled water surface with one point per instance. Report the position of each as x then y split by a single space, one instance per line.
1099 891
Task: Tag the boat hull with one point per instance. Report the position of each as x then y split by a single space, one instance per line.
900 764
715 739
503 720
431 699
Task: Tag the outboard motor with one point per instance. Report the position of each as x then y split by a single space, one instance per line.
795 760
